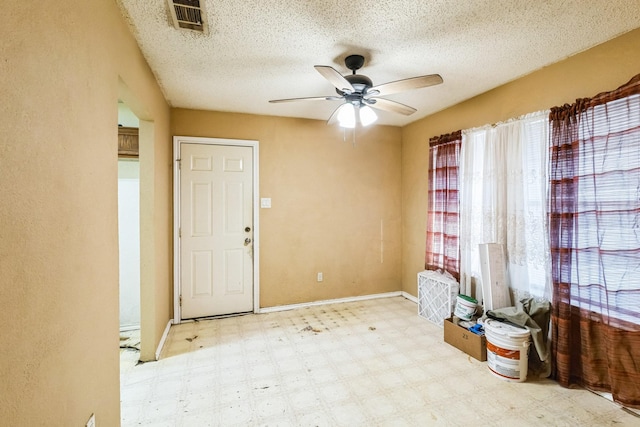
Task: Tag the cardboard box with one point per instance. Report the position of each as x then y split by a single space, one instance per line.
463 339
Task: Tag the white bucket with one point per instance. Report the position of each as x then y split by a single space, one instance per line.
465 307
507 350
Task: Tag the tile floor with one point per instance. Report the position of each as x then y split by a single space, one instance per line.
371 363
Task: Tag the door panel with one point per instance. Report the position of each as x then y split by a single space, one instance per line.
201 209
201 276
216 205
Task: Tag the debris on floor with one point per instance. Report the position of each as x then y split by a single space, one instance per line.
130 340
130 347
310 329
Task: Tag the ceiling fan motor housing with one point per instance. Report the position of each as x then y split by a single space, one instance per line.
359 82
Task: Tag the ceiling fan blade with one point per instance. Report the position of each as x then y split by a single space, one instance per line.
313 98
334 116
335 78
393 106
405 84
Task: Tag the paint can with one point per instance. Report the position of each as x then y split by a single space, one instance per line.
465 307
507 350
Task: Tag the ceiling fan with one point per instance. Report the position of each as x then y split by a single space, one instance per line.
361 96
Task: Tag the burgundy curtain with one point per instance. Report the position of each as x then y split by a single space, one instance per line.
443 243
594 222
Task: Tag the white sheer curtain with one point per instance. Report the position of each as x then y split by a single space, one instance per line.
503 200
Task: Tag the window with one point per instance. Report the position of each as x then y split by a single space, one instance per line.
606 259
503 200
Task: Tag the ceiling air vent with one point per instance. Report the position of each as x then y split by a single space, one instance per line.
188 15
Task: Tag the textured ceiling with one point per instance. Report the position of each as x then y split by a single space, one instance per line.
261 50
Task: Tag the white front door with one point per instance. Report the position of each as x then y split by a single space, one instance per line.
216 229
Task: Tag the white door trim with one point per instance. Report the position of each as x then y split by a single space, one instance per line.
177 140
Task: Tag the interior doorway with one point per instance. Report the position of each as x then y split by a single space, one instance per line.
129 236
129 242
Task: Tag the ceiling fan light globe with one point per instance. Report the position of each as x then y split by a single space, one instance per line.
367 115
349 123
347 116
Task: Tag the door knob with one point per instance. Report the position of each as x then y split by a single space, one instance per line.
247 241
247 229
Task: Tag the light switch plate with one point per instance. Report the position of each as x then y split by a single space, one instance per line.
265 202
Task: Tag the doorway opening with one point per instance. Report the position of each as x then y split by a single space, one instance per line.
129 235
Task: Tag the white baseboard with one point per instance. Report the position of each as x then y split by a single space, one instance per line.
328 301
409 297
163 339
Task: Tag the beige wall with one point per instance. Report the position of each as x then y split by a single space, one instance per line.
330 201
60 64
602 68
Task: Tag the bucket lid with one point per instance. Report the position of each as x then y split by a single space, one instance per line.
501 328
468 298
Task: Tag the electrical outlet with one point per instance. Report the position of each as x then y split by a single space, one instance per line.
92 421
320 276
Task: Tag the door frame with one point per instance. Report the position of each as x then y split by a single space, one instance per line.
177 140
